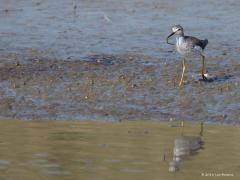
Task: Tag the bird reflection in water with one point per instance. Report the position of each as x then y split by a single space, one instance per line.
184 146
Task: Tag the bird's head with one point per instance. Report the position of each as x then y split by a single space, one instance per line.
176 29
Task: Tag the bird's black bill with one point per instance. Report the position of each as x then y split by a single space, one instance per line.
169 37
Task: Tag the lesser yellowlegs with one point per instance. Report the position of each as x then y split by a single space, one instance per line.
188 46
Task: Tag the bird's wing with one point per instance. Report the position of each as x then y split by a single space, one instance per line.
196 43
197 48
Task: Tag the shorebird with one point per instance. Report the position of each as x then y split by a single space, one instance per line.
188 46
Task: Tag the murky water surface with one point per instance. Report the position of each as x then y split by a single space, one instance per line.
106 150
108 59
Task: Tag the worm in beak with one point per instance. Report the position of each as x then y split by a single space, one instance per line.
169 37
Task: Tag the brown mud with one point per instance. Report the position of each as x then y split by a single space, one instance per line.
114 87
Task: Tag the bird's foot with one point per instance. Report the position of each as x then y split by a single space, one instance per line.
204 77
207 78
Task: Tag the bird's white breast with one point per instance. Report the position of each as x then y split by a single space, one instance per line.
180 45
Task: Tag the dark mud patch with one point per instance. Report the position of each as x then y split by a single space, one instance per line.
221 78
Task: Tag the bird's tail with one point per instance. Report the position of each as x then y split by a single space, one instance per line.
204 43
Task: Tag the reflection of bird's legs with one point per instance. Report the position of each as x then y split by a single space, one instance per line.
183 71
203 68
182 127
201 131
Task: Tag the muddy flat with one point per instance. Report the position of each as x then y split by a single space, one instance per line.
108 60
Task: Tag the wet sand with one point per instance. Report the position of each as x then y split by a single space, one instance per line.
93 61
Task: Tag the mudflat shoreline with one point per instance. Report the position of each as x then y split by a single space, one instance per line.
113 87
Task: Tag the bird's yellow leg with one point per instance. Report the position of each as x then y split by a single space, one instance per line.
183 71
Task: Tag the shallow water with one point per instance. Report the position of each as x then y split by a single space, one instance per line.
78 28
106 150
130 73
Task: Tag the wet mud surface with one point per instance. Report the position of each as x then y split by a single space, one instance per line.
115 87
92 61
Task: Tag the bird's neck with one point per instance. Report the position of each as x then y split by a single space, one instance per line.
179 40
180 34
179 37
